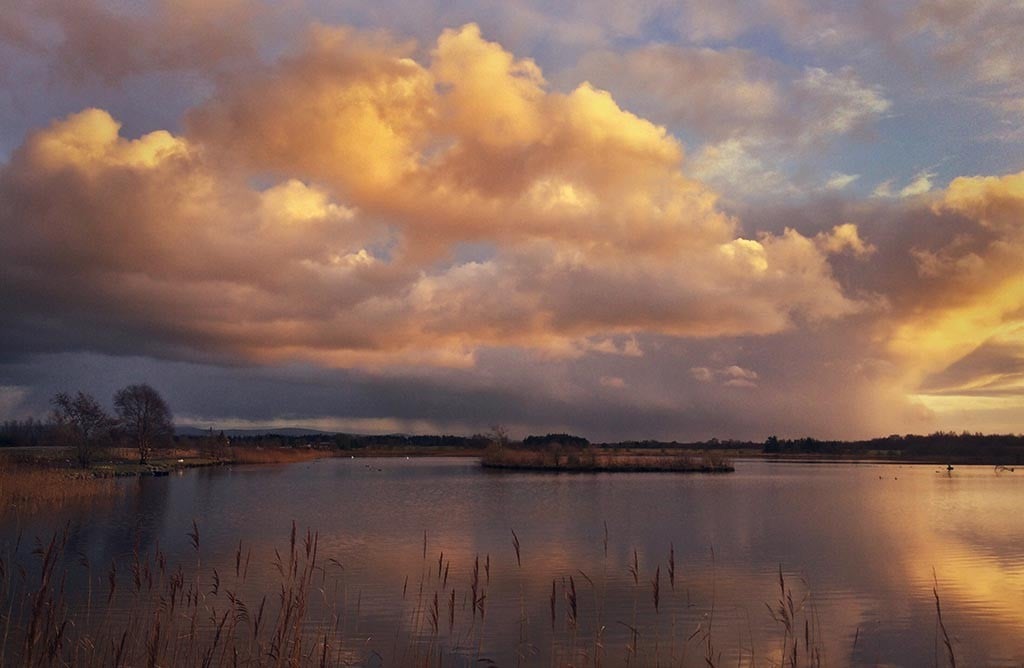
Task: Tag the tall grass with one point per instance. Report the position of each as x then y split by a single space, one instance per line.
34 488
167 616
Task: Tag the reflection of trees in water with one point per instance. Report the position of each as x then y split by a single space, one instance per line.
135 522
96 533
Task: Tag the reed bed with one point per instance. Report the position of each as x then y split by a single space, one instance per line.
245 455
239 454
597 460
35 488
33 482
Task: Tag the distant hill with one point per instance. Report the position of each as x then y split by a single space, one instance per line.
254 431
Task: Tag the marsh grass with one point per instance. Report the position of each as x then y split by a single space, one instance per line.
238 454
33 488
48 478
246 455
597 460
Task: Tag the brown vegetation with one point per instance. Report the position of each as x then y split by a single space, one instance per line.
244 455
46 478
34 488
596 460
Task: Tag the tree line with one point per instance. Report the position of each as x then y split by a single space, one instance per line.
141 419
1004 448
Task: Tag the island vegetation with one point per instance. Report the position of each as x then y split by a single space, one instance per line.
566 453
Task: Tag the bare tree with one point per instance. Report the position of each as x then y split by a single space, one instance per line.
82 422
145 417
498 436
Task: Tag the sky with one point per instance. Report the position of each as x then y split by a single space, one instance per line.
658 219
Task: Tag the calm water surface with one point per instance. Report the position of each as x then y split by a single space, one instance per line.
861 547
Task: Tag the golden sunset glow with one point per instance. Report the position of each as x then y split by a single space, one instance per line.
462 207
512 332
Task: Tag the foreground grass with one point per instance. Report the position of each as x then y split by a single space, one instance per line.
293 608
149 612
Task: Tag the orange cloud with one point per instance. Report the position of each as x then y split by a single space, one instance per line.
380 170
962 343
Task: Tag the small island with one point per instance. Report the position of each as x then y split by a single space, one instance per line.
565 453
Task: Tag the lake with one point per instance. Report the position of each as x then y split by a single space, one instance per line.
861 550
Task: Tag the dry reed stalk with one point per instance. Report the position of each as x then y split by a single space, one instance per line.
552 604
656 587
570 597
942 625
515 544
672 566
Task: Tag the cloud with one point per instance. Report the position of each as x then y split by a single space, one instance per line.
968 308
736 94
840 102
729 376
806 24
12 399
884 189
981 36
838 180
374 169
733 166
995 202
702 373
842 238
90 40
613 382
921 184
943 273
756 120
367 212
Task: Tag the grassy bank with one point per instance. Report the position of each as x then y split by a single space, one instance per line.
595 460
45 478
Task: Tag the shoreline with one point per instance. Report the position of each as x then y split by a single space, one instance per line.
51 458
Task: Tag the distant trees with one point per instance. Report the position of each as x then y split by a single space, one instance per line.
25 433
144 417
567 440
